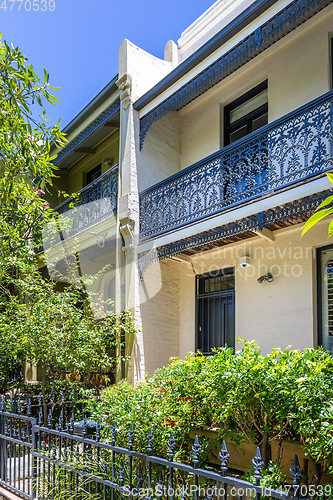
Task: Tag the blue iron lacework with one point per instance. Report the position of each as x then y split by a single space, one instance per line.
292 150
263 37
94 127
290 212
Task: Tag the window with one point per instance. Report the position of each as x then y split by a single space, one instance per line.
325 297
215 310
94 173
246 114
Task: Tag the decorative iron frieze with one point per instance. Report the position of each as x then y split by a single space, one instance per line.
263 37
92 204
94 127
291 150
290 212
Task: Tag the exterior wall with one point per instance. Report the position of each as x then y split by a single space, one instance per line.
108 149
138 72
160 157
208 24
280 313
160 317
297 68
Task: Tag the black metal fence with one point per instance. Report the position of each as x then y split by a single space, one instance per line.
68 460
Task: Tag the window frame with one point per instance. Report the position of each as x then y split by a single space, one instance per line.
92 171
319 261
200 294
246 119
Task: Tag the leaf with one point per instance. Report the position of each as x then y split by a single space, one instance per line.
315 218
330 229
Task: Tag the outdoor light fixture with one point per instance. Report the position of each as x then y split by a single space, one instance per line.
245 261
108 162
266 277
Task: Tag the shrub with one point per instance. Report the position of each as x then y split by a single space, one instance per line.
247 396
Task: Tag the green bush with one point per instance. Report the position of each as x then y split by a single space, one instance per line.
247 396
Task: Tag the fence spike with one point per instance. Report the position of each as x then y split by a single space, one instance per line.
49 419
114 433
11 405
62 398
4 404
1 403
183 491
19 408
139 478
98 429
224 456
52 398
130 438
29 406
121 473
40 397
196 448
171 445
84 426
61 420
295 471
150 440
159 486
258 464
73 396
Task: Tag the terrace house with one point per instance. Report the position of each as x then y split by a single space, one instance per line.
195 176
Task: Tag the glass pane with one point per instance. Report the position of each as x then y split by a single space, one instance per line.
230 282
238 134
259 122
248 106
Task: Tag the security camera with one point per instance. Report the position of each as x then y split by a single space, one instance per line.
245 261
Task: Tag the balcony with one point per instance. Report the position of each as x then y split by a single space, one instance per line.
289 151
92 204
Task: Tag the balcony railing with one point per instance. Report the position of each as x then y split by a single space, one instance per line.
290 150
92 204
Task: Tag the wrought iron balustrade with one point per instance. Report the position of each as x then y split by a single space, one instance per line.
51 459
290 150
92 204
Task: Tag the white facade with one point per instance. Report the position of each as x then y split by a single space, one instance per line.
178 111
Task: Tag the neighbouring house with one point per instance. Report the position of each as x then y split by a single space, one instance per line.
195 175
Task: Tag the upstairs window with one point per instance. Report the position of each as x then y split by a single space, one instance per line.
246 114
94 173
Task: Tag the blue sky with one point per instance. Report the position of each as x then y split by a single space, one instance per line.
78 41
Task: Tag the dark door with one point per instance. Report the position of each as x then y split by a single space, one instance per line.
215 305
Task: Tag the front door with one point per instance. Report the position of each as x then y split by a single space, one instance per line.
215 306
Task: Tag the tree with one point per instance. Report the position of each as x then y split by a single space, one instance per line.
39 323
324 210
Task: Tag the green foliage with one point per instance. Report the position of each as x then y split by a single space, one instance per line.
245 396
325 209
57 329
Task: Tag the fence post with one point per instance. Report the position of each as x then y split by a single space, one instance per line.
2 448
34 459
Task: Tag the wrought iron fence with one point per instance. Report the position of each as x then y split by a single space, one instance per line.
292 149
63 460
92 204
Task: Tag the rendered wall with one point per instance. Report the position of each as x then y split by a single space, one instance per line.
297 68
280 313
77 174
160 156
160 317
